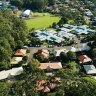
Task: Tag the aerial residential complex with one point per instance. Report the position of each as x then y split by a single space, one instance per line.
47 48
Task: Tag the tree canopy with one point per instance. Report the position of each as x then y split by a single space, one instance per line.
12 36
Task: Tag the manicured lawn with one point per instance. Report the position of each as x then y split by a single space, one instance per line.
42 20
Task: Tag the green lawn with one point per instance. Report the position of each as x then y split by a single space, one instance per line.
41 21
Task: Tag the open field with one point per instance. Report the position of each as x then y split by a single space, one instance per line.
41 20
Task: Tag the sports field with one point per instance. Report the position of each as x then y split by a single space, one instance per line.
41 20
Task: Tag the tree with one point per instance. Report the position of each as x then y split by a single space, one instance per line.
51 2
4 65
35 41
40 57
63 57
12 35
20 44
18 3
54 25
62 21
32 66
66 74
71 55
38 5
94 53
4 55
25 58
4 89
76 87
60 92
35 5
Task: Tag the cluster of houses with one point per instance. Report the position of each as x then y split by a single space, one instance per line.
82 29
18 56
86 63
67 31
83 47
16 59
48 35
88 13
50 67
83 60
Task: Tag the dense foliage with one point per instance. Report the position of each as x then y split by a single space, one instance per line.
12 36
35 5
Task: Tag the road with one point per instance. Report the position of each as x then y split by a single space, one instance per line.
35 49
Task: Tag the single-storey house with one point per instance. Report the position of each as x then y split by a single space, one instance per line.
10 73
20 52
90 69
84 59
51 66
83 47
26 13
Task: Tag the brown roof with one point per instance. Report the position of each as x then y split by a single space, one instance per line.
84 59
55 65
41 82
20 52
47 85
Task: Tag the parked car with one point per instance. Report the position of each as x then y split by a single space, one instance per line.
50 46
37 45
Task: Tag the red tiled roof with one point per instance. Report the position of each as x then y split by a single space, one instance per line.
84 59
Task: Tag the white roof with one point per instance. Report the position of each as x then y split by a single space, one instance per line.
12 72
65 34
16 60
3 75
16 71
65 29
90 69
52 31
48 35
82 29
84 47
26 12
